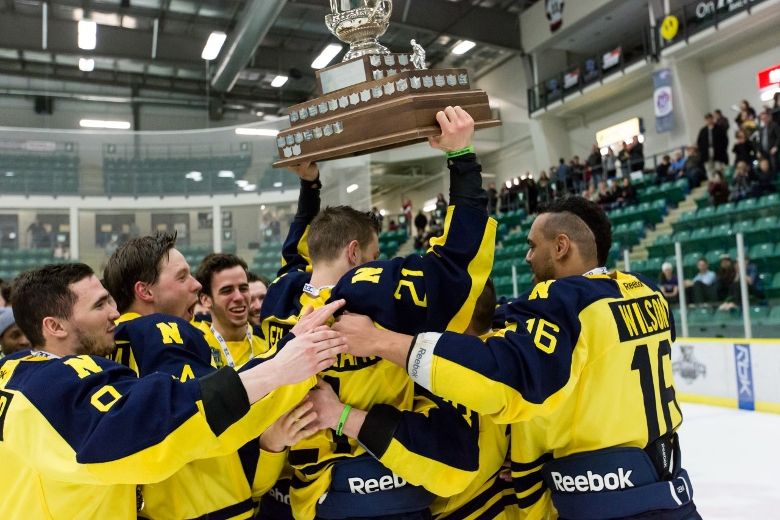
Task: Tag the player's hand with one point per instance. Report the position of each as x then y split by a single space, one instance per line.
307 171
311 319
326 405
308 354
457 129
291 428
360 334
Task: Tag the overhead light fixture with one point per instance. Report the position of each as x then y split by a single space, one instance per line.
87 35
98 123
259 113
278 81
383 212
250 187
226 174
262 207
267 132
462 47
352 187
429 205
86 64
9 174
277 184
194 176
213 45
326 56
241 183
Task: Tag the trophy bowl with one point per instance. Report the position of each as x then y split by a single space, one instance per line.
359 23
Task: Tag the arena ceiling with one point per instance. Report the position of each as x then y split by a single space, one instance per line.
152 48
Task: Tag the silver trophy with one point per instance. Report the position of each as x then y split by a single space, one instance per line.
359 23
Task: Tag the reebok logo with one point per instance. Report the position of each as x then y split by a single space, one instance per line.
592 481
417 360
279 496
372 485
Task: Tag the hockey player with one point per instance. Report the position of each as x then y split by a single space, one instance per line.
404 294
78 431
582 372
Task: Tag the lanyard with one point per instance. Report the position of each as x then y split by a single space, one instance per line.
224 347
598 270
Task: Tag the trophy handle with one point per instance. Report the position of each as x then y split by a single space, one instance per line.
385 5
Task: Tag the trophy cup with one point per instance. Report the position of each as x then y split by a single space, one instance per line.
374 99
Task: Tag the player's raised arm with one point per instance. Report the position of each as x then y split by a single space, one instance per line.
295 251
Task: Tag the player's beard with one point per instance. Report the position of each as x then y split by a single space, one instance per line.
92 345
544 270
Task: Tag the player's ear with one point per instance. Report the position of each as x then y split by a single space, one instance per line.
353 252
53 327
143 292
562 246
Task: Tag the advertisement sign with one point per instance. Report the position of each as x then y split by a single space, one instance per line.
611 58
707 8
571 78
663 104
744 371
699 369
554 10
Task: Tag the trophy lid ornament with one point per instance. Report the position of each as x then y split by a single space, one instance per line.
359 23
418 55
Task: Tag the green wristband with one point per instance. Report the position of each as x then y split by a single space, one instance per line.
463 151
343 419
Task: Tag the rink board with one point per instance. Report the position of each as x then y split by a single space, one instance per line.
731 372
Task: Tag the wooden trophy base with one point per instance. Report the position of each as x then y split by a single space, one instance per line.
393 110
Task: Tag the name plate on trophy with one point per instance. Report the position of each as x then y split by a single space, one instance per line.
341 76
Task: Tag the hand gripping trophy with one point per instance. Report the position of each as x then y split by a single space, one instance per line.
374 99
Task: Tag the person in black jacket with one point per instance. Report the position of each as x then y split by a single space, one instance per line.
713 143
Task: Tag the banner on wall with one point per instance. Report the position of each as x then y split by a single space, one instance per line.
662 101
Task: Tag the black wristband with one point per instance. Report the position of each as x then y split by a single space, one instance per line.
224 399
379 428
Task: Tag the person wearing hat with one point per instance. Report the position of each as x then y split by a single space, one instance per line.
12 339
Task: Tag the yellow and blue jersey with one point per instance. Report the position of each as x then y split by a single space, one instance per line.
81 450
583 365
436 291
240 351
214 486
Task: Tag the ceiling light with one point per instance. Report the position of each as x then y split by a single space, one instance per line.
262 207
277 184
352 187
462 47
9 174
195 176
86 64
383 212
226 174
241 183
213 45
326 56
267 132
98 123
87 35
259 113
278 81
250 187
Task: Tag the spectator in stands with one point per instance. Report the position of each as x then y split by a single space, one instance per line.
563 175
636 155
12 339
625 158
743 149
745 112
703 288
406 208
663 172
378 216
718 189
776 109
741 185
693 170
713 143
754 286
492 198
392 226
420 222
627 195
544 189
765 178
749 124
531 193
769 140
595 162
577 173
721 121
668 283
725 278
506 199
606 196
677 167
610 163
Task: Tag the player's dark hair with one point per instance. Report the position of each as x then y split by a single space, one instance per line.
595 220
137 260
5 291
482 318
45 292
254 277
336 226
213 264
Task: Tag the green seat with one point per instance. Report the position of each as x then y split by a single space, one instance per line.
699 238
689 264
700 316
759 315
705 214
774 316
